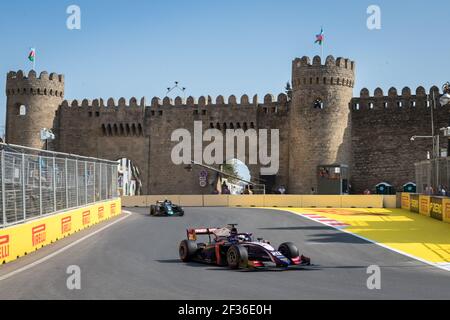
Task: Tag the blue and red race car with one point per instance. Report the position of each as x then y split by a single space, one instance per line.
228 247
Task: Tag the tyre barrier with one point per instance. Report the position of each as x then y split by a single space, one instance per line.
430 206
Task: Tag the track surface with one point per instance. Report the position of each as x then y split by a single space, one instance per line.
138 259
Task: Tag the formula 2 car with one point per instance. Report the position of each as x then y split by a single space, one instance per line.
228 247
166 209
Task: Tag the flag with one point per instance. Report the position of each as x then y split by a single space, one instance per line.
320 37
32 55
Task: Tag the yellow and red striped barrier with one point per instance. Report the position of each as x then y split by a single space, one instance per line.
22 239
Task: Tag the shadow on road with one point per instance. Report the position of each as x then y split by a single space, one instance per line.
217 268
297 228
337 238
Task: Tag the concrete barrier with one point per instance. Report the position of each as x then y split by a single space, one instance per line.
190 201
365 201
22 239
246 201
282 201
215 200
298 201
136 201
316 201
390 202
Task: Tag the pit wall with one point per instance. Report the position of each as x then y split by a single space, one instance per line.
295 201
19 240
429 206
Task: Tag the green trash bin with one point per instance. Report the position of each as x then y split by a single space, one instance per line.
410 187
384 188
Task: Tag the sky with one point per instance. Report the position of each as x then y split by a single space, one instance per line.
136 48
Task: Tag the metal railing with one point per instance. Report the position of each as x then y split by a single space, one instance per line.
433 173
35 182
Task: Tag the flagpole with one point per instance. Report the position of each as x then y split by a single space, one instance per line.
323 44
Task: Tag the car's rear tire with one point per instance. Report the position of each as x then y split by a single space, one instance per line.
187 250
289 250
237 257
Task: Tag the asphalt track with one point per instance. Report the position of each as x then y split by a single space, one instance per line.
137 258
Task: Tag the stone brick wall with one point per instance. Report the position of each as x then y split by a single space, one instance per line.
319 136
41 97
382 131
371 134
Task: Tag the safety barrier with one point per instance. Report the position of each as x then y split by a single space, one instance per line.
19 240
295 201
430 206
35 183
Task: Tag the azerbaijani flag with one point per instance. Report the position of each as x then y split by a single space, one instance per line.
320 37
32 55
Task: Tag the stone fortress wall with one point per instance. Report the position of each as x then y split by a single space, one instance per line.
369 133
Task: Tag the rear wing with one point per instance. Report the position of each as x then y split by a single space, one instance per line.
192 233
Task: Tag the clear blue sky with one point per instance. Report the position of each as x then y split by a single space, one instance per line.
138 48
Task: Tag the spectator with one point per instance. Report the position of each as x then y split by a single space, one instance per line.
313 191
367 192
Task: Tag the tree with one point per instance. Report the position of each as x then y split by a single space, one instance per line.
288 90
231 169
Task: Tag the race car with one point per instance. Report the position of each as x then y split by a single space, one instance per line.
228 247
166 209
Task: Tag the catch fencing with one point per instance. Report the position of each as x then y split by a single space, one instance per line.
433 173
36 183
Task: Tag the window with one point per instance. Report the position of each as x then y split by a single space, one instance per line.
90 114
22 110
204 112
195 112
371 105
97 114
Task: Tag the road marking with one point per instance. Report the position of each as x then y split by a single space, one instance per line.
70 245
442 266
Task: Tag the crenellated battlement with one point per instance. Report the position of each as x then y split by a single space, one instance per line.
395 99
340 72
44 75
330 62
18 83
156 102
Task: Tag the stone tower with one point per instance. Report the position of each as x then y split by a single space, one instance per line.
320 119
31 106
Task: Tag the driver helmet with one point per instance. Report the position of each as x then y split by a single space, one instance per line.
242 237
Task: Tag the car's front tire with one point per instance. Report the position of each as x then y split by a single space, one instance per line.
152 210
237 257
289 250
187 250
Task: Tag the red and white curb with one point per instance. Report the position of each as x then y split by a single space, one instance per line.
327 221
